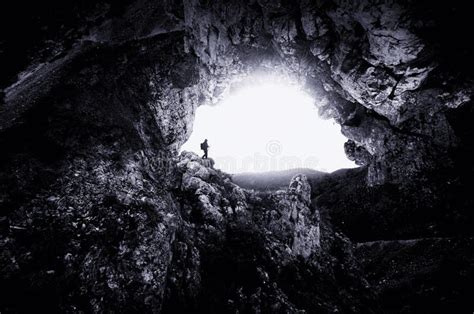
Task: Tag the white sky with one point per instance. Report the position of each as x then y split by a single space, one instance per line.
272 125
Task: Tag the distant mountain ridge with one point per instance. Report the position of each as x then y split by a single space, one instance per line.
273 180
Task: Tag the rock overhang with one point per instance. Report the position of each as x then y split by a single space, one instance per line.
364 63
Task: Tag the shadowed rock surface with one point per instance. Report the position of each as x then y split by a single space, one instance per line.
241 251
99 213
428 275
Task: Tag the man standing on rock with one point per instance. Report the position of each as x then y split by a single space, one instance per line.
204 147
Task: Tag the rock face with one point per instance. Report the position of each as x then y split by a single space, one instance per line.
428 261
371 65
99 213
238 250
286 216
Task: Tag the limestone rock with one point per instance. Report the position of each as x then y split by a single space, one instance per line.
300 188
358 154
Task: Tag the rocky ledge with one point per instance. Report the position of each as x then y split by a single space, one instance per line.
244 251
206 246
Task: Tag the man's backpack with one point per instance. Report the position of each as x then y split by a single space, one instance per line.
203 146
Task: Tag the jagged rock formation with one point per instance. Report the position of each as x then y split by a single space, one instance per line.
287 216
98 213
238 250
370 64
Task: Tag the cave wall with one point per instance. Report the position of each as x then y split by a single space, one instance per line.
86 176
366 63
369 64
96 98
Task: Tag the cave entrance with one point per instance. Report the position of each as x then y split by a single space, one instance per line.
268 124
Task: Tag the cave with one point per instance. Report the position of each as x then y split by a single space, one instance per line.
268 123
102 210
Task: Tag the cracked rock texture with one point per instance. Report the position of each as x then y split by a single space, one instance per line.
99 213
371 64
245 251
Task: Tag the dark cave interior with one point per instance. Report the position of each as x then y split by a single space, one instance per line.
99 212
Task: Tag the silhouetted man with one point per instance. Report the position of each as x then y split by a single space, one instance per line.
204 147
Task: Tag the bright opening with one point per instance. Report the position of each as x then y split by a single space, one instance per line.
269 126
